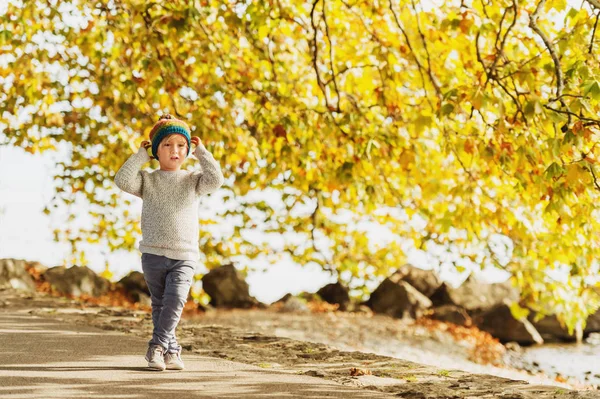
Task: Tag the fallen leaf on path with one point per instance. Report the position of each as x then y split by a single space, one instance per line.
355 372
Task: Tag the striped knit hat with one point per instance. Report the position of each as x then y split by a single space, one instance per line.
165 126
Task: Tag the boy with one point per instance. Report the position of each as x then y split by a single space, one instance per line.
170 229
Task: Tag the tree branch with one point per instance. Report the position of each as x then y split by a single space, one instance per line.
590 121
591 168
315 51
333 76
412 51
500 50
594 3
593 34
491 77
429 72
533 25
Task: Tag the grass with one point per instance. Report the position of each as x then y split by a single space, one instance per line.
444 373
410 378
264 365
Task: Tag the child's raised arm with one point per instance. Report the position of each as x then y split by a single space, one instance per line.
210 178
129 177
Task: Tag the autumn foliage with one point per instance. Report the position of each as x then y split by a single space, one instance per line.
466 129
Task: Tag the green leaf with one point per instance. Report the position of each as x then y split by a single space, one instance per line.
554 170
592 89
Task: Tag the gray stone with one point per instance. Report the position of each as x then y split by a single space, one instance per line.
76 281
294 305
227 288
474 295
397 298
425 281
13 274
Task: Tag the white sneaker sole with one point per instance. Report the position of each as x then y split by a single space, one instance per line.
174 367
157 366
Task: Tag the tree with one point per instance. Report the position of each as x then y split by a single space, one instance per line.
450 123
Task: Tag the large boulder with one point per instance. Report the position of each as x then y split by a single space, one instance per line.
551 330
396 298
76 281
13 274
134 285
425 281
474 295
500 323
335 293
227 288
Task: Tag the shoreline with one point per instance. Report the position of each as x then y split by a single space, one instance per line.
270 351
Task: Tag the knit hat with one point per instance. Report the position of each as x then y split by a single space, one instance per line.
165 126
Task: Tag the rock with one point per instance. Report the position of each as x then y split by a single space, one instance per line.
135 281
593 339
134 285
425 281
76 281
13 274
397 298
513 347
474 295
452 314
335 293
501 324
592 324
305 296
550 329
227 288
283 299
141 298
294 305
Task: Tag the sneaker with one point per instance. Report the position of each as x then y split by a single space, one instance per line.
173 360
155 357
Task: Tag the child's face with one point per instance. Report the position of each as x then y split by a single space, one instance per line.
172 152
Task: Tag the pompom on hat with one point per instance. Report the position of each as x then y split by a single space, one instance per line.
167 125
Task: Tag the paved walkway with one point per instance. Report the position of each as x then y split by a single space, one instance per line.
46 358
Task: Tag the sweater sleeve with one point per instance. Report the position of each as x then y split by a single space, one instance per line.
129 176
210 178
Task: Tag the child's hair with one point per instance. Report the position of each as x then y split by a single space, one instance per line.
166 126
168 138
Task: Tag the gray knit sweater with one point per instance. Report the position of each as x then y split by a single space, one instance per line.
170 202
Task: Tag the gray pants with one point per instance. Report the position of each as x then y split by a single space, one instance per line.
169 282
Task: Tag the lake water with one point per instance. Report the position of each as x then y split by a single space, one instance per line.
580 361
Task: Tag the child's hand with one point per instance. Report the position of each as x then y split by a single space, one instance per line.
195 141
146 144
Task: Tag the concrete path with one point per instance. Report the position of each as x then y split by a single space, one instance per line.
46 358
